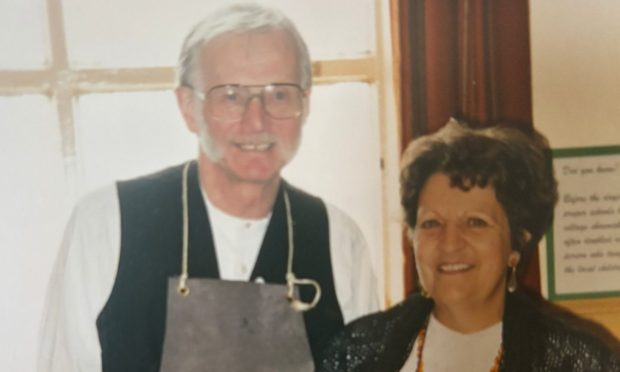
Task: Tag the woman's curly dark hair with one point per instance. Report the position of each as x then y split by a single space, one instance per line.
518 167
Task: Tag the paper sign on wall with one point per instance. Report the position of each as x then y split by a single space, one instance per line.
583 246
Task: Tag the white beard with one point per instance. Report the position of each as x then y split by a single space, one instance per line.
207 145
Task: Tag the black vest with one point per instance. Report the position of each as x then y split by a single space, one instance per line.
131 325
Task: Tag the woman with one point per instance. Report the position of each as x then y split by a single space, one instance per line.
476 203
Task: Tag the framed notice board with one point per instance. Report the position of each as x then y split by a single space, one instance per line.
583 244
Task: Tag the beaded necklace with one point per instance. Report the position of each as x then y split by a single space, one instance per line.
422 336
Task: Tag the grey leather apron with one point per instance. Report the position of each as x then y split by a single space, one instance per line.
219 325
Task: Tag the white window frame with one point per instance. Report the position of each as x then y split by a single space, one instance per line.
63 84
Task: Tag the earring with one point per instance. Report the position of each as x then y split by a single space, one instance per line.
423 292
512 279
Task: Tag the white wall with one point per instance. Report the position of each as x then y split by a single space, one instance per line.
575 46
576 71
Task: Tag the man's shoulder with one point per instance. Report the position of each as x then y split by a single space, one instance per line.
344 231
152 189
344 224
97 201
302 195
335 214
163 176
106 200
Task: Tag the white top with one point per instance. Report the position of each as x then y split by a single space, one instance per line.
237 242
446 350
86 266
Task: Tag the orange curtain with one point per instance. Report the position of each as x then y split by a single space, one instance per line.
464 58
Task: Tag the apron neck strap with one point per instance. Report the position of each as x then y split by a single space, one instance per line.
291 280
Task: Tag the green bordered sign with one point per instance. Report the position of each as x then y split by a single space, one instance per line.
583 244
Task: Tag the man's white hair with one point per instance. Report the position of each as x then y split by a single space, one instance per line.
239 18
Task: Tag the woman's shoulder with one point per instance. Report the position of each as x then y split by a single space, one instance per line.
558 338
410 313
581 342
377 339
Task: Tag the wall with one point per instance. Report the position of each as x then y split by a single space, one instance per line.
575 48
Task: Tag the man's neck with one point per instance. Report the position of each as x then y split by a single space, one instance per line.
237 197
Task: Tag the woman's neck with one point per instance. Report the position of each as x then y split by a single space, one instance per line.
469 318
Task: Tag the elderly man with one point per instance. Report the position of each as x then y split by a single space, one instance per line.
244 88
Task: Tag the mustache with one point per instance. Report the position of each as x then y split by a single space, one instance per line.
255 138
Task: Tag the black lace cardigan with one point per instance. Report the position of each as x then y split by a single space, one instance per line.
534 341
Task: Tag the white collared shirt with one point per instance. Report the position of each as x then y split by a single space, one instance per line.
237 242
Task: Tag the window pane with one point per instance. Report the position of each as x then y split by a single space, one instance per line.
123 135
137 33
339 158
24 40
34 209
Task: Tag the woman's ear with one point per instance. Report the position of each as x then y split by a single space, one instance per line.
527 236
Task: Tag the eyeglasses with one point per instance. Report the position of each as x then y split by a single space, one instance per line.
228 103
